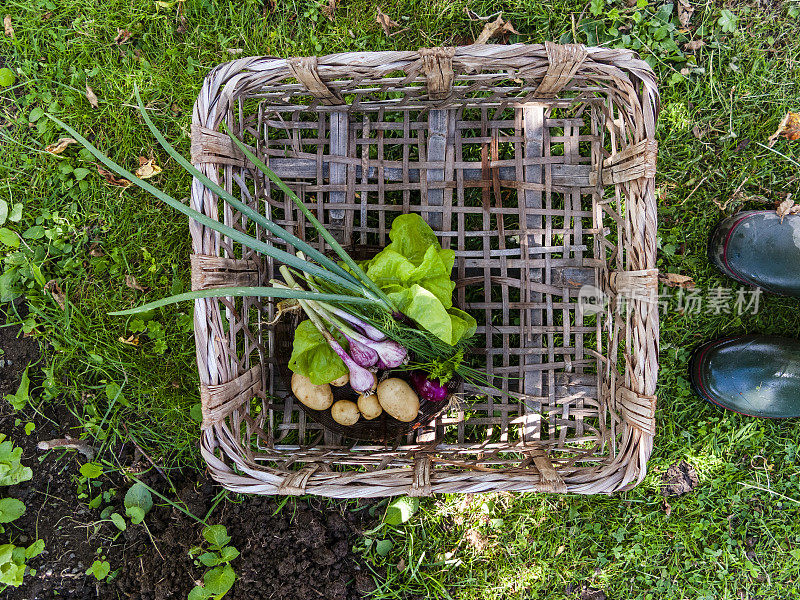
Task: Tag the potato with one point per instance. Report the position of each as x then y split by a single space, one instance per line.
341 381
318 397
345 412
369 406
398 399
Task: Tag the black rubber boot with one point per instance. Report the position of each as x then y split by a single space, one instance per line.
755 375
756 248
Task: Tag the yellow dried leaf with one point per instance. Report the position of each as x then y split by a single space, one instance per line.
386 22
787 207
91 97
131 282
694 45
685 12
497 28
60 145
329 9
676 280
7 27
147 168
123 35
112 179
789 129
55 291
131 341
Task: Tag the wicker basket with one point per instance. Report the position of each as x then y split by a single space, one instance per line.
536 164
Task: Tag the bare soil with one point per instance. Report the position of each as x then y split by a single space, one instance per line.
293 549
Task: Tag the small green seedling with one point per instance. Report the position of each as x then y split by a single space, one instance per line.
19 400
12 562
11 470
11 509
100 569
138 502
221 577
397 512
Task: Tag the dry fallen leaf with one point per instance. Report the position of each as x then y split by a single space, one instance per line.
112 179
679 479
147 168
123 35
496 28
329 9
96 251
131 282
685 12
789 129
269 7
60 145
55 291
7 27
590 593
693 45
676 280
386 22
91 97
787 207
131 341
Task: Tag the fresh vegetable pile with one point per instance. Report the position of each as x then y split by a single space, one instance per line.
338 347
370 325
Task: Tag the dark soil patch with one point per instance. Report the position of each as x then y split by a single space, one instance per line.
18 352
297 549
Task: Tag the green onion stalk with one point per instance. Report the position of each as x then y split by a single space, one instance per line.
340 298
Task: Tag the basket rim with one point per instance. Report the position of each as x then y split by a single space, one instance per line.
626 77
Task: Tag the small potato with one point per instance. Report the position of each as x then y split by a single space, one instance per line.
398 399
369 406
341 381
318 397
345 412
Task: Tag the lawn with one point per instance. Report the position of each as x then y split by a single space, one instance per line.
737 535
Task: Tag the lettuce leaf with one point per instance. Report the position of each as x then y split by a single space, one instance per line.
415 272
464 324
313 357
426 309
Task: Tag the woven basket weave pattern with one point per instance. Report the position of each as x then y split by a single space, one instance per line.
536 165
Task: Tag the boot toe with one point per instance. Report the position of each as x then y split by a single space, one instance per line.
752 375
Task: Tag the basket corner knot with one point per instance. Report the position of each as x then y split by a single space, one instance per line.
306 71
294 484
550 479
565 60
638 409
421 484
219 400
437 64
634 284
637 161
216 271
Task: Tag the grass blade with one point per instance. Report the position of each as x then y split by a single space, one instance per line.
243 208
242 238
264 292
319 226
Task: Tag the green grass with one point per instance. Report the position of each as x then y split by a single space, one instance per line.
721 541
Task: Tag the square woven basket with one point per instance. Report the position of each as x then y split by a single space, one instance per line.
535 164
